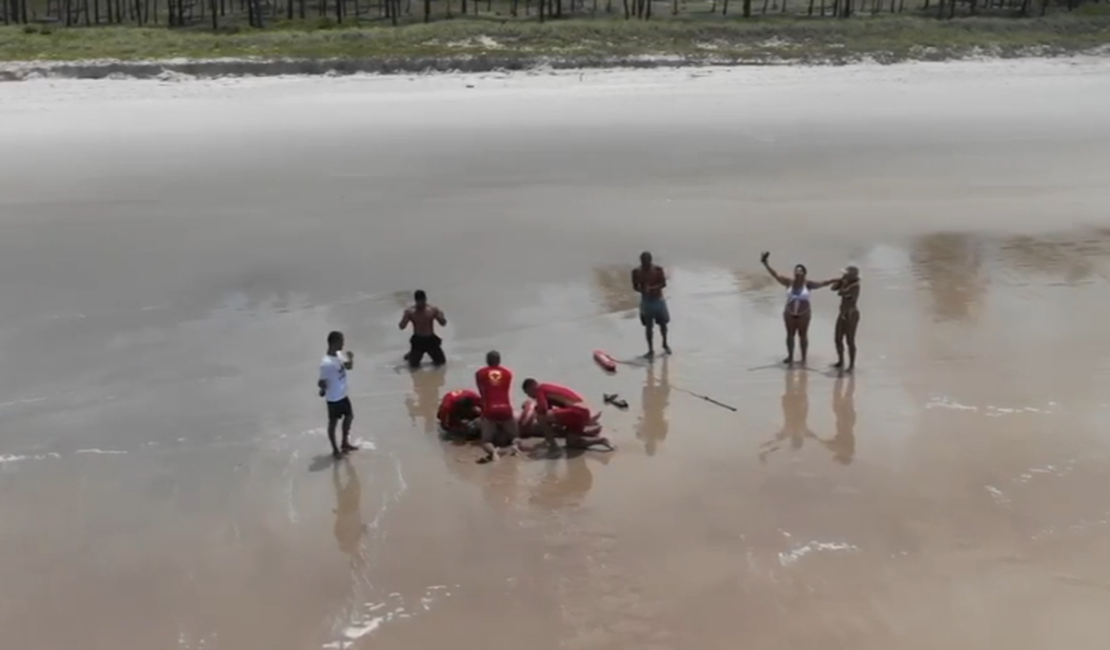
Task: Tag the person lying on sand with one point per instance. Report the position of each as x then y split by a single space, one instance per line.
559 408
459 413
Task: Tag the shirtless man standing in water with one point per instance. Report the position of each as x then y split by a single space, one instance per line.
847 287
649 280
423 318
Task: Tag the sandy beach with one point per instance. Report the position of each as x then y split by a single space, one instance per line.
173 254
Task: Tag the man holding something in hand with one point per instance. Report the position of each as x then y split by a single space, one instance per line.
333 388
649 281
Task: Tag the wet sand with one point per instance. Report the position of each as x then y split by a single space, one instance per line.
173 255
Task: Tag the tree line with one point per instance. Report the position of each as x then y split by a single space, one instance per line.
219 14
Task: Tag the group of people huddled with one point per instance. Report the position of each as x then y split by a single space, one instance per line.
552 411
486 414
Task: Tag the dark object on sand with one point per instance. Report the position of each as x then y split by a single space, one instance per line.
615 400
706 398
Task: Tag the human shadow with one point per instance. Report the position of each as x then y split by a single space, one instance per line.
843 444
424 402
795 415
653 427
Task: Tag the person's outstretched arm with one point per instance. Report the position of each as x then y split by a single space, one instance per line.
765 258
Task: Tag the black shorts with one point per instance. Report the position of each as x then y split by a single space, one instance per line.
340 410
429 345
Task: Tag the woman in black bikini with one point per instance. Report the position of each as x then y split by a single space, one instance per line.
796 315
847 287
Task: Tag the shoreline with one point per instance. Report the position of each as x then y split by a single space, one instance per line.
476 47
169 69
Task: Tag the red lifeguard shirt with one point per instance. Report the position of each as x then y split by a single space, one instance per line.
449 405
495 383
550 396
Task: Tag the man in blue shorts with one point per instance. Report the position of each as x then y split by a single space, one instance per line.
649 281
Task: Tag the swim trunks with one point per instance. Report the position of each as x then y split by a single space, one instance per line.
574 419
654 310
430 345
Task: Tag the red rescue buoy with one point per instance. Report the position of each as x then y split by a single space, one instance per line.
605 361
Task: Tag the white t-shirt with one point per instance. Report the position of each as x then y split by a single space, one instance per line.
334 372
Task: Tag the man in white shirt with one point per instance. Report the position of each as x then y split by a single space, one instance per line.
333 388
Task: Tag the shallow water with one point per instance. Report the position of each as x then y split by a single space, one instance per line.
170 268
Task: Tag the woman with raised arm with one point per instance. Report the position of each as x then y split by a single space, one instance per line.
847 287
797 313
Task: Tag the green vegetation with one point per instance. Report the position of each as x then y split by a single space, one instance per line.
887 31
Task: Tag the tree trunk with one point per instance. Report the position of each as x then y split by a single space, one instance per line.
746 9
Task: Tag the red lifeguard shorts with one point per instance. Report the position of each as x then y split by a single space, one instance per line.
574 419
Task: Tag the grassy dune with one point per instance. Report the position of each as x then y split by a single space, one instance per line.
597 40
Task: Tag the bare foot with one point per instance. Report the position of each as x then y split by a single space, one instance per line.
788 361
348 447
666 348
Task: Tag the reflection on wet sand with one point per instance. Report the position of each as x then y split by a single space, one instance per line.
951 266
843 444
614 287
795 414
1053 255
655 397
349 527
424 402
565 483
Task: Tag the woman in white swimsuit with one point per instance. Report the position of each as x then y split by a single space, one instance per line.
797 313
